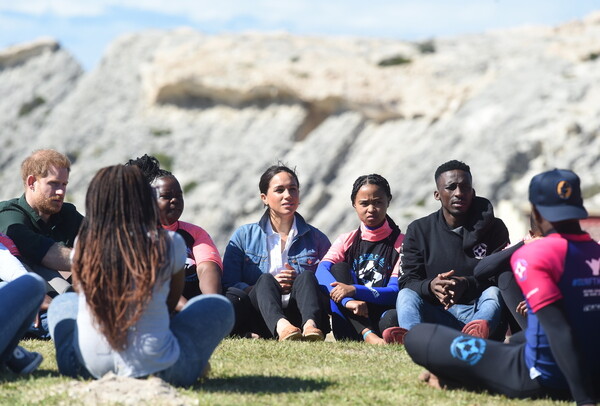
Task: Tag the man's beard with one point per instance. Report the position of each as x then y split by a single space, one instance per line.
46 206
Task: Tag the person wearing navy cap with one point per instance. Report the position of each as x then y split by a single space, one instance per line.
558 354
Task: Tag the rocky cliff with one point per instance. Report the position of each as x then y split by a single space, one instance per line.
217 110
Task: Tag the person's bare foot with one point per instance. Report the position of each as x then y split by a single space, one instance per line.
431 380
372 338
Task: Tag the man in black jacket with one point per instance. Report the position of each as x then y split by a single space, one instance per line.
440 252
557 355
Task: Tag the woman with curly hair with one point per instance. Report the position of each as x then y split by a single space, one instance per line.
203 267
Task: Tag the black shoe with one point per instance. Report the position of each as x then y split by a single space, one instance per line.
23 361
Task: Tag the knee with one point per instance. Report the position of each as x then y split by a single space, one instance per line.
416 342
306 278
505 280
342 272
63 306
266 279
491 293
408 298
218 306
36 285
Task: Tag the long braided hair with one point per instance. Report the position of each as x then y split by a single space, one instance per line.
120 250
353 251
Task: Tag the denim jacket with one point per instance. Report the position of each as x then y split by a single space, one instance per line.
246 256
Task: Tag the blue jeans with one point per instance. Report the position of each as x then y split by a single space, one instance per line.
20 301
412 310
199 328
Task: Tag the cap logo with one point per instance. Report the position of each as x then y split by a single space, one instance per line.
564 189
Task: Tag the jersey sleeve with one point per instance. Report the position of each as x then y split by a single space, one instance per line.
338 249
205 249
538 267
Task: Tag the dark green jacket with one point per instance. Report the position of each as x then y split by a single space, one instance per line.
32 235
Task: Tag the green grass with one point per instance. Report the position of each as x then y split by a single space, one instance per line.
265 372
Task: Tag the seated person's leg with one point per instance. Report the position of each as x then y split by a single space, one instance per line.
413 309
342 272
489 307
199 328
306 297
409 306
471 362
389 318
20 301
54 279
265 297
62 323
247 319
512 295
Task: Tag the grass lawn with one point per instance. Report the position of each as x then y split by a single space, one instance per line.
265 372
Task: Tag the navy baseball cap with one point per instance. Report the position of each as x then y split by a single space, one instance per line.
556 194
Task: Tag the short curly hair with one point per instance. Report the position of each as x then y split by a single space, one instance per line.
451 166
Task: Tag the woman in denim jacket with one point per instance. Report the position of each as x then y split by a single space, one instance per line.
269 267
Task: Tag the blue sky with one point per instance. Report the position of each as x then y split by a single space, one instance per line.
86 27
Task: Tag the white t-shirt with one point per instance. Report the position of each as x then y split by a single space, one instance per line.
152 347
10 267
277 256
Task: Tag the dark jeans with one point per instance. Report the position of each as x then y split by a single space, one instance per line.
259 310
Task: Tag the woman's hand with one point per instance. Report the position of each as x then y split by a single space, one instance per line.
286 278
358 307
341 290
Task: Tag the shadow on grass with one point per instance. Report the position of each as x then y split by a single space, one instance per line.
262 384
7 376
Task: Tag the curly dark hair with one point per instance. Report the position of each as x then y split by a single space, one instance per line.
150 168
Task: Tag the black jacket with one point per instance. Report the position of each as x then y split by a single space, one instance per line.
431 247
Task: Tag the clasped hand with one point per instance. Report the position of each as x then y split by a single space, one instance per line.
341 290
286 278
448 288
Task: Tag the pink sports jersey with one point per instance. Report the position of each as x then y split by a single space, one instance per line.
339 247
204 248
563 267
539 267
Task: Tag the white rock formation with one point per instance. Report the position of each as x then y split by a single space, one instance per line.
219 109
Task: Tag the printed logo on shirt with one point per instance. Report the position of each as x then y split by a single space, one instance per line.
468 349
520 269
480 251
374 292
370 269
594 265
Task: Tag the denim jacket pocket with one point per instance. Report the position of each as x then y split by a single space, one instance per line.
305 261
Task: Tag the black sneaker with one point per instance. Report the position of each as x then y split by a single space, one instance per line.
23 361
